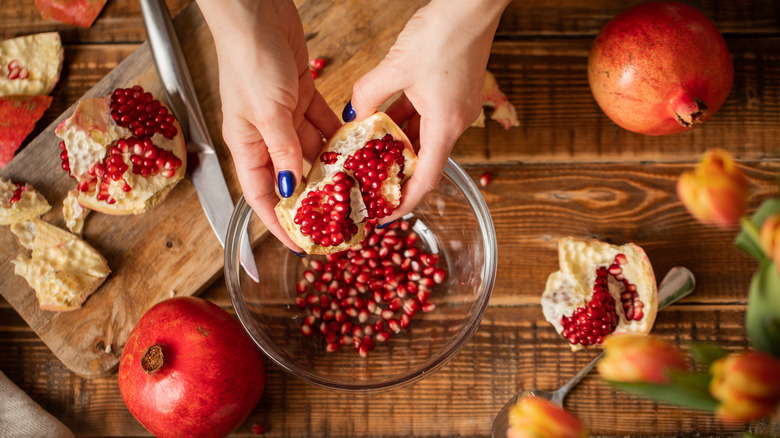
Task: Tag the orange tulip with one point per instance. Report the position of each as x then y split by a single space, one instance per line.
540 418
746 385
770 237
716 191
639 358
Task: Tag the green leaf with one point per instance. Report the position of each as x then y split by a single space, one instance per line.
687 389
707 353
762 319
747 239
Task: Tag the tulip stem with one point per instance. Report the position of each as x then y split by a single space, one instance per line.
751 230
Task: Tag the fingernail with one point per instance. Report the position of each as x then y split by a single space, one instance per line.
286 183
379 227
301 254
348 114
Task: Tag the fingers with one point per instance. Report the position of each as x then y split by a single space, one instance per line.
374 88
284 147
322 116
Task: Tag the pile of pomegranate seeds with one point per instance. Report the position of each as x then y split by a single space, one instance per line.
367 294
139 112
589 325
371 165
17 71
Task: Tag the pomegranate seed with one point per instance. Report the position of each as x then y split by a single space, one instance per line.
306 330
258 429
427 306
317 63
484 179
382 336
314 73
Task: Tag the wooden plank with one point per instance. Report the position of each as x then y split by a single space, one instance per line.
547 82
514 348
119 22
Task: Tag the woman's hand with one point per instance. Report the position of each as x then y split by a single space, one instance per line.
438 62
273 117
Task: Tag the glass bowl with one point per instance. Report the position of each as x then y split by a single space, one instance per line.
452 221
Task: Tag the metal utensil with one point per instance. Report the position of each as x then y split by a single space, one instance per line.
206 173
678 283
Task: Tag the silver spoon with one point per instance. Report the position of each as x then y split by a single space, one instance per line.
678 283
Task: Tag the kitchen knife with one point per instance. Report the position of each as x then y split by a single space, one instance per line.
206 173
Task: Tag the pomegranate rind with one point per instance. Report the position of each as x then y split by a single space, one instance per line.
75 12
502 109
31 203
347 140
40 54
88 133
572 286
18 116
62 269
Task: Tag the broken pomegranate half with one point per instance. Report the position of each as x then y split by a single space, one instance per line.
125 150
356 177
600 289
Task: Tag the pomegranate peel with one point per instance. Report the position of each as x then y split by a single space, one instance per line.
62 269
600 289
502 109
20 202
18 116
75 12
31 64
357 176
125 150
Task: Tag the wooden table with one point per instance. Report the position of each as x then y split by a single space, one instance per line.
568 170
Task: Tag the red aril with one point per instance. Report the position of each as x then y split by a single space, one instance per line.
189 369
126 151
373 291
356 177
660 68
600 289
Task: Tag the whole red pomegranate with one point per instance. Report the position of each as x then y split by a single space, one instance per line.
190 370
660 68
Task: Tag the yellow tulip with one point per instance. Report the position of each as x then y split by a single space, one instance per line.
746 385
716 191
770 237
540 418
639 358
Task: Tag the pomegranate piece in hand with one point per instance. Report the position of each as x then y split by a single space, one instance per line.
30 65
20 202
356 177
125 150
600 289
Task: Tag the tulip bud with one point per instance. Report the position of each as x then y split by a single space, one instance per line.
746 385
540 418
770 237
638 358
716 191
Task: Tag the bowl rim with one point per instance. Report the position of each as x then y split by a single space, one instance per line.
237 226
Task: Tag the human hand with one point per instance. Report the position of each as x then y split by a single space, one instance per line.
438 62
273 117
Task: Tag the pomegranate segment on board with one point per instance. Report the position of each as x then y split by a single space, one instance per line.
368 294
126 151
30 65
20 202
62 268
356 177
600 289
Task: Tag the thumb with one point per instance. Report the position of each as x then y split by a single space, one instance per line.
375 88
284 148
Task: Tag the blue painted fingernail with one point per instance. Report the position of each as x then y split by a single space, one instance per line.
301 254
286 183
348 114
379 227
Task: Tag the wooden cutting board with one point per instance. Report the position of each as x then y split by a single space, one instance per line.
171 249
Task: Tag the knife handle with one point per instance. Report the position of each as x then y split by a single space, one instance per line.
174 73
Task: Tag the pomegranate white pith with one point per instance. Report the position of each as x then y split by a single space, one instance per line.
356 177
126 151
366 295
31 64
19 202
600 289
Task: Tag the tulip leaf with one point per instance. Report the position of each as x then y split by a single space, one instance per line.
762 319
747 239
687 389
707 353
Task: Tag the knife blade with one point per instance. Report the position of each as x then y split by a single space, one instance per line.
206 173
